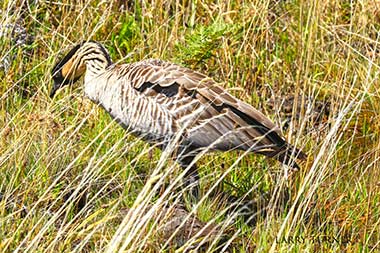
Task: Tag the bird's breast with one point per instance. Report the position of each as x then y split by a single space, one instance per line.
141 115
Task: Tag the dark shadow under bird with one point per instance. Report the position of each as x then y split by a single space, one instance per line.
159 100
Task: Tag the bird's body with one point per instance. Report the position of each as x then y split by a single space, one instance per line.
141 104
158 100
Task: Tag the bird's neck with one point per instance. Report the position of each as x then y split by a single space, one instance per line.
94 83
97 61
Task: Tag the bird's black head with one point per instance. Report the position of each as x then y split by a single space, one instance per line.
68 70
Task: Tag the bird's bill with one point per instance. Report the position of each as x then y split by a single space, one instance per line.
56 86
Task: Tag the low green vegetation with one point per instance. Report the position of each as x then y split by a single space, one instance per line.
72 180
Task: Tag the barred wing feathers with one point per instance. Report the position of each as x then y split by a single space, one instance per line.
210 115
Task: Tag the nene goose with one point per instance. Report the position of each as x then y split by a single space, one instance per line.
157 100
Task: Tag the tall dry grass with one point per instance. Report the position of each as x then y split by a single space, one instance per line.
73 181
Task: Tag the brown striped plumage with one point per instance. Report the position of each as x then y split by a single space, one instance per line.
157 100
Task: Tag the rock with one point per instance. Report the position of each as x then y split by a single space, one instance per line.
17 36
169 226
